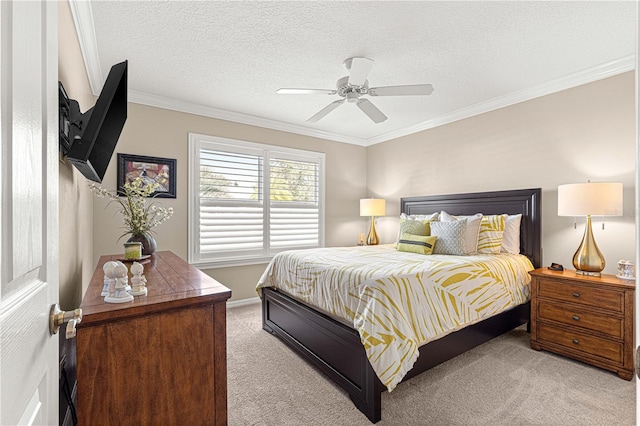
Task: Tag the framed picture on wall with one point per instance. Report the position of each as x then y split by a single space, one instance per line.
151 170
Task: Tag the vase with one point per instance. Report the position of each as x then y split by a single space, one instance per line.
148 243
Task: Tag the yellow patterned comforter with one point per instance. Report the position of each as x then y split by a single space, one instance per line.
399 301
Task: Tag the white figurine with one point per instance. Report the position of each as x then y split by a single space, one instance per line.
108 282
126 277
138 280
119 293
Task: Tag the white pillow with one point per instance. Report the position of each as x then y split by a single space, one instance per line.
473 229
432 217
511 235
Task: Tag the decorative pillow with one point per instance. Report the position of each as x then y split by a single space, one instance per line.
421 244
473 229
491 231
424 218
511 235
415 227
451 237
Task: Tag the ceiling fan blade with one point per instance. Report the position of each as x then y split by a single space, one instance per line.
409 90
371 110
359 70
324 111
288 91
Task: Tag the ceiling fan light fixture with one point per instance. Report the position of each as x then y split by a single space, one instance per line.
352 97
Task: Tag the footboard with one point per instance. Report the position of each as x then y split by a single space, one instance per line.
332 347
337 351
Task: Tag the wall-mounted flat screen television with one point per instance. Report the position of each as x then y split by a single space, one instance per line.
88 140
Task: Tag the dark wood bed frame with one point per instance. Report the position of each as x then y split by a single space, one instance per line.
336 349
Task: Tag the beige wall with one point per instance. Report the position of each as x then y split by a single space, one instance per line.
76 204
585 133
571 136
164 133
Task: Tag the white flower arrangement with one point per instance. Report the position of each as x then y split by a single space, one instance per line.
138 216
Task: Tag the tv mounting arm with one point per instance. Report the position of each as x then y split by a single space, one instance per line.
71 120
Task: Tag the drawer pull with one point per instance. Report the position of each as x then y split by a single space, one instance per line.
576 341
576 294
576 318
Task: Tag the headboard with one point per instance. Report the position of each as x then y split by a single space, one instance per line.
525 201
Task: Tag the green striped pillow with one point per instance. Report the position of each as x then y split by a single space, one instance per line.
421 244
491 232
414 226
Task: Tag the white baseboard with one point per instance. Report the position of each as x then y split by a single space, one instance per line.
243 302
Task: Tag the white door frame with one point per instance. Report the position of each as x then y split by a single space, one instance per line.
637 211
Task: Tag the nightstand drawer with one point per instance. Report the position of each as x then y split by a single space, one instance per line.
575 293
568 314
582 342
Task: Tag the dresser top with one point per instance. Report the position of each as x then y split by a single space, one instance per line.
171 283
608 279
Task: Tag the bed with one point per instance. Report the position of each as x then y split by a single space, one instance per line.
335 347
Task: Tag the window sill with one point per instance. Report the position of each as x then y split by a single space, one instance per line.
231 262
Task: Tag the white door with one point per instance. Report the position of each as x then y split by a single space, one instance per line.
29 213
637 206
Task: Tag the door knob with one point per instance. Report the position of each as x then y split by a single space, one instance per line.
57 317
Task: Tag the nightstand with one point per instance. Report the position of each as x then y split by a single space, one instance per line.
589 319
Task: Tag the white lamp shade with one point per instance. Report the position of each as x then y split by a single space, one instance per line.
596 199
373 207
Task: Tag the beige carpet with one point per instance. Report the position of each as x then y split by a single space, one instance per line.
503 382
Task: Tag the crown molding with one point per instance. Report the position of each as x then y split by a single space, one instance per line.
599 72
83 21
222 114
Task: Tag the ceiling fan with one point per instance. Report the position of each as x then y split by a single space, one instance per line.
352 87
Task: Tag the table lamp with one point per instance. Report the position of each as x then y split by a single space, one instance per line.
589 199
372 207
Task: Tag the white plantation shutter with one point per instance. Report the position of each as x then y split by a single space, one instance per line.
231 205
293 227
230 221
294 205
225 228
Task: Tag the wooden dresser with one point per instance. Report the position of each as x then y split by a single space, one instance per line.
586 318
159 360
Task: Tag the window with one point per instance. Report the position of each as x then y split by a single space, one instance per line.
247 201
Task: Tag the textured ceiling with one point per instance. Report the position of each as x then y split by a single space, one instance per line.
227 59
